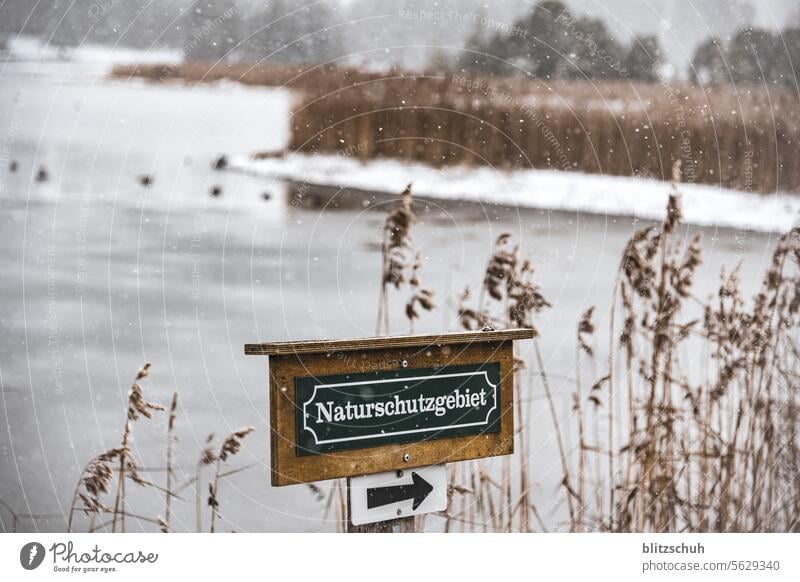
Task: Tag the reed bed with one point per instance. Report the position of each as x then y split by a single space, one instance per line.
746 138
109 473
317 79
660 448
662 444
739 140
400 264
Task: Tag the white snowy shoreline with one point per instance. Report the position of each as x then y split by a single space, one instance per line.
596 194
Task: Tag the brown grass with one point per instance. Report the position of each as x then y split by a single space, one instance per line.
400 264
116 466
231 445
659 448
318 79
747 139
710 452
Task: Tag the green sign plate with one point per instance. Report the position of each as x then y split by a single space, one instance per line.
354 411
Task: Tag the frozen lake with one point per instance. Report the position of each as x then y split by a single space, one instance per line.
100 274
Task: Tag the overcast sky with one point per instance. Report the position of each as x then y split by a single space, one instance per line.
375 27
681 25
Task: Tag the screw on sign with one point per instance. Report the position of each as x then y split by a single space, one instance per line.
372 409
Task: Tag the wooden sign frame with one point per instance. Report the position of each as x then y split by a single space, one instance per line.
291 360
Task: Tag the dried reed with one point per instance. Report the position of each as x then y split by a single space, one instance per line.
231 445
398 257
711 452
97 477
171 440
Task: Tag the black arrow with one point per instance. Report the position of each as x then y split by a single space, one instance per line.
418 491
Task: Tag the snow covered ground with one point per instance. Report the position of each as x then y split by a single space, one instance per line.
34 49
596 194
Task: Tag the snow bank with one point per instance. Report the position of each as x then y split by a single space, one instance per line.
27 48
596 194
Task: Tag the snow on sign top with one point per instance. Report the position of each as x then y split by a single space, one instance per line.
345 408
312 346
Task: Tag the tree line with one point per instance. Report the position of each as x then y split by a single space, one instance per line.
278 30
550 42
547 41
752 56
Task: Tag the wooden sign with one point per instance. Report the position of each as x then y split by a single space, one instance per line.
354 407
353 411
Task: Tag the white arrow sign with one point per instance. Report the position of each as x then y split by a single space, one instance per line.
394 494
